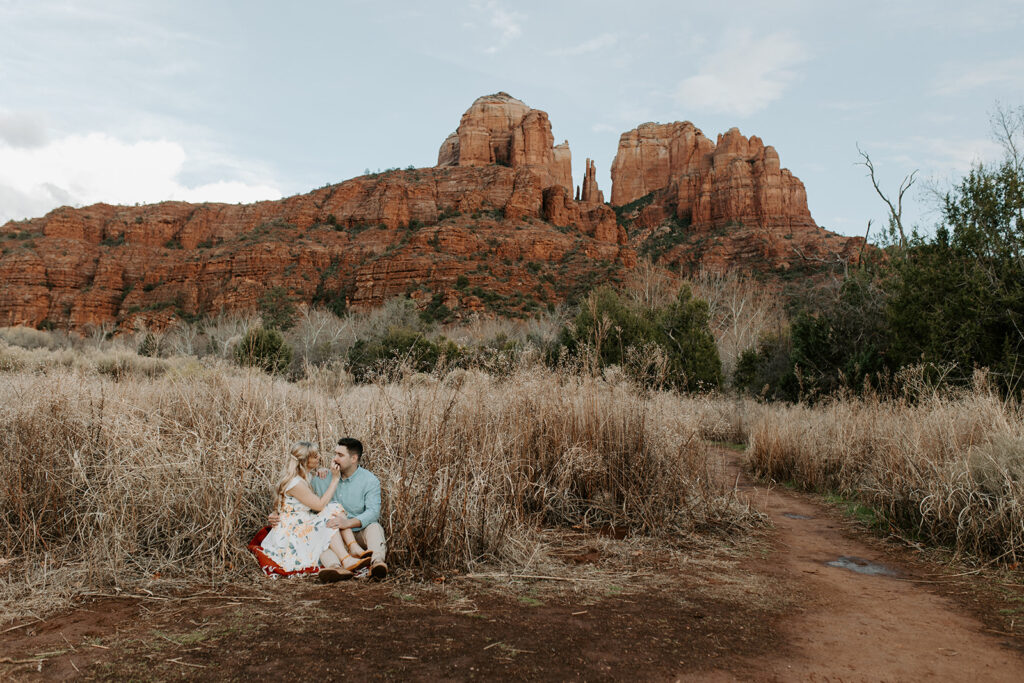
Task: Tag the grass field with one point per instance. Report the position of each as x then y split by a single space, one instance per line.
120 468
945 469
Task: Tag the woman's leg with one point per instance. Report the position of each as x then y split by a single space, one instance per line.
347 560
349 539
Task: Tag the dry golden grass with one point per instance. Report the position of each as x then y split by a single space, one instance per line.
111 478
947 470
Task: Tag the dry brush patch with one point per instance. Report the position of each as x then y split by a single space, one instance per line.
945 470
110 480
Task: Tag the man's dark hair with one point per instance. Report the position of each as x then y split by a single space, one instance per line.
354 446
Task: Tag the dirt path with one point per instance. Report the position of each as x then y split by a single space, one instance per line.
868 619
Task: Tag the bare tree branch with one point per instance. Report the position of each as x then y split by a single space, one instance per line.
895 210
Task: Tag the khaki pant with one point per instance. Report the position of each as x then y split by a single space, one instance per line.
370 537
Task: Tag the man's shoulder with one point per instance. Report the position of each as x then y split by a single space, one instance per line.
368 476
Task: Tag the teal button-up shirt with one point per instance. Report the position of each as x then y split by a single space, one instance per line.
358 494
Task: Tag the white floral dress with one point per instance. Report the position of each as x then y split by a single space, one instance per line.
301 535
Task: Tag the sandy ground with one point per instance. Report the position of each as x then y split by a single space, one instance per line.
772 610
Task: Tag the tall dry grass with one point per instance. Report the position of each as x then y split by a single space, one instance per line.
947 470
110 480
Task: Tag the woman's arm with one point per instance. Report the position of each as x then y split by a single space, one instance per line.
304 494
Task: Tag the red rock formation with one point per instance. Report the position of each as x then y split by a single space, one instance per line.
499 129
590 192
651 155
737 180
596 220
732 204
358 243
497 212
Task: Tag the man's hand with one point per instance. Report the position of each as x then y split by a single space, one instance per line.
342 522
322 473
273 519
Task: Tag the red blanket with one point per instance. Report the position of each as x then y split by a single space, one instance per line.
269 567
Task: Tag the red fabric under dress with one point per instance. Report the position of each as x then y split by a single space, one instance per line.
269 567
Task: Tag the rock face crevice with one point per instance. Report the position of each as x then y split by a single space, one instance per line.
735 180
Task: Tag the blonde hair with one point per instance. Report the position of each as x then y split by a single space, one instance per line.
294 465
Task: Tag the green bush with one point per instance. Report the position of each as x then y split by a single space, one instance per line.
264 349
277 309
150 346
765 370
613 330
399 345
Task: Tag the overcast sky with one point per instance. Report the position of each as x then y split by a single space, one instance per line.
133 101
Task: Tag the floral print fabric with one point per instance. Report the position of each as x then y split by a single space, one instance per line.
301 536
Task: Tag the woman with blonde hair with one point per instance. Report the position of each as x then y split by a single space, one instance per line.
298 539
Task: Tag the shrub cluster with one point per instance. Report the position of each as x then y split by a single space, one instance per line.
953 301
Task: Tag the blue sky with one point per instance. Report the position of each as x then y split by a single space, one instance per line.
236 101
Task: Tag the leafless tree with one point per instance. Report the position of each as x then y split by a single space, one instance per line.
740 311
650 285
895 208
1008 130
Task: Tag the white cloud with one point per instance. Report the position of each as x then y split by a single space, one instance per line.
509 24
944 155
85 169
744 75
586 47
1002 72
19 129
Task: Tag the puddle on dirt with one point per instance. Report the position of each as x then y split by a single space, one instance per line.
793 515
862 566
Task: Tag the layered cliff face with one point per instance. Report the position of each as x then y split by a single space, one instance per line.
493 228
692 202
480 238
736 180
499 129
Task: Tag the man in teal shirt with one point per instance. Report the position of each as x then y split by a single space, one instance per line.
359 493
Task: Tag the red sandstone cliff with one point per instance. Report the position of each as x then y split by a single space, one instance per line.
730 201
493 228
358 243
736 180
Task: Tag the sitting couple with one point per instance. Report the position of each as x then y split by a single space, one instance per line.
333 523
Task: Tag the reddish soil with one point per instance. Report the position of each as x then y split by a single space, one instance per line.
618 608
901 625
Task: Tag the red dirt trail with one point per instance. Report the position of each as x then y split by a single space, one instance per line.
856 627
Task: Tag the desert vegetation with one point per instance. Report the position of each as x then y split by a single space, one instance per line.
945 468
907 371
950 299
164 466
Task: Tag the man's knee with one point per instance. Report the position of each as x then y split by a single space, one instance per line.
372 537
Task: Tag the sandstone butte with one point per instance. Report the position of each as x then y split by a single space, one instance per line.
492 229
717 204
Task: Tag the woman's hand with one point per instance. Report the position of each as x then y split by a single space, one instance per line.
335 471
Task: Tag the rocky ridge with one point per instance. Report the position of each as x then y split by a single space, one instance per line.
493 229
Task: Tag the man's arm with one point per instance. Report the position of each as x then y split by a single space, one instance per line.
371 498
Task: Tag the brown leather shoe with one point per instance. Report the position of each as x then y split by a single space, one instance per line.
379 570
332 574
